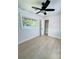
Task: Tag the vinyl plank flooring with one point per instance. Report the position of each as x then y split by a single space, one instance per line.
43 47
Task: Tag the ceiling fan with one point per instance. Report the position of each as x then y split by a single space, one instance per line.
43 8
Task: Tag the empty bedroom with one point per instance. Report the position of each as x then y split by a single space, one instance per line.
39 29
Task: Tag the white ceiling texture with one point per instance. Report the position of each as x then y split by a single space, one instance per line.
27 6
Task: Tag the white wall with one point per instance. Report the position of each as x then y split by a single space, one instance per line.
24 34
42 26
54 29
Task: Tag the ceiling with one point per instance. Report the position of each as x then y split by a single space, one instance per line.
27 6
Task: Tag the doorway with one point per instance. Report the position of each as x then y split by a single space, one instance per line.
46 27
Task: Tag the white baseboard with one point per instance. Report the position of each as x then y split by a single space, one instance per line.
54 36
28 39
36 36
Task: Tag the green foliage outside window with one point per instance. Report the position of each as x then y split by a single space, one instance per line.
29 22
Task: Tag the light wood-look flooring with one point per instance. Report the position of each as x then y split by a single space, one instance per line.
43 47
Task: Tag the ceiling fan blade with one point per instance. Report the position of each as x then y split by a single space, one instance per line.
50 10
45 4
36 8
38 12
